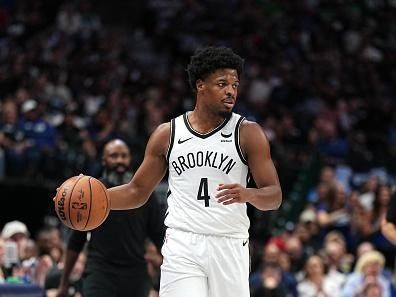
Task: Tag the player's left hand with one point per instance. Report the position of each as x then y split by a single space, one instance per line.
232 193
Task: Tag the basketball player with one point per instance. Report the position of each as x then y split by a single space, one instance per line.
209 153
116 266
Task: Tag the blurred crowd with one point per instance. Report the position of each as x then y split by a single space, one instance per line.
40 261
319 78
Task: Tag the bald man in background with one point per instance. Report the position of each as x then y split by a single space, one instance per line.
116 266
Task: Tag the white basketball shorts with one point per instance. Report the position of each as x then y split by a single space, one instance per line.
197 265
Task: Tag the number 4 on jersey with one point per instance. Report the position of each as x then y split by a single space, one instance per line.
203 193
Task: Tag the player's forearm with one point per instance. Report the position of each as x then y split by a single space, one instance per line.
267 198
126 197
389 231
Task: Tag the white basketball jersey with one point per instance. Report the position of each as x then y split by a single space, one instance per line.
198 163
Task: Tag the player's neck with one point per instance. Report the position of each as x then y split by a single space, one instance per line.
204 122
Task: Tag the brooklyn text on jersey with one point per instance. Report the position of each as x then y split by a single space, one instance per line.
203 159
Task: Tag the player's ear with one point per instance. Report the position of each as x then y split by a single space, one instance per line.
200 85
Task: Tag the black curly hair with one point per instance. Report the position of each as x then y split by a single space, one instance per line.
207 60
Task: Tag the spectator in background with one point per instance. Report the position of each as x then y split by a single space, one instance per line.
17 232
69 19
297 252
271 284
49 242
368 270
369 189
69 142
334 213
116 264
75 287
316 282
332 143
15 235
101 130
274 257
335 253
42 137
25 264
13 139
41 267
363 247
378 215
307 230
326 178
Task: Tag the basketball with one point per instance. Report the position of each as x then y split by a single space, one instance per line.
82 203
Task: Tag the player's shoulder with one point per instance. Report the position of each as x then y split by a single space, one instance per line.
252 133
163 130
248 126
159 138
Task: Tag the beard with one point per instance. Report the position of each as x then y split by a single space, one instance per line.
114 178
225 114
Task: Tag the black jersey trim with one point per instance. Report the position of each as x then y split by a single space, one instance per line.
237 140
171 138
204 135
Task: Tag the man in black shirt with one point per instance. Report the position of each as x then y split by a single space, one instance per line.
116 266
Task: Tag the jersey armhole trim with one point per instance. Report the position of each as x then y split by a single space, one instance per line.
237 140
171 139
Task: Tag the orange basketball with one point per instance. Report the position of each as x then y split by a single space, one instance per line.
82 203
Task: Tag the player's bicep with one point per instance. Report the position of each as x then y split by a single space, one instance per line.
150 172
154 166
257 150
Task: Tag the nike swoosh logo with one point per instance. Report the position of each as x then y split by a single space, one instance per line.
226 135
184 140
245 242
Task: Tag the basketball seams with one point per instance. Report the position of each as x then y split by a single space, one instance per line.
70 199
90 203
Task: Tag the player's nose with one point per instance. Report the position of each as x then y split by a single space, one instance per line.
230 91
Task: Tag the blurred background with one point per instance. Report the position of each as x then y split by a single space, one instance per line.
319 78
